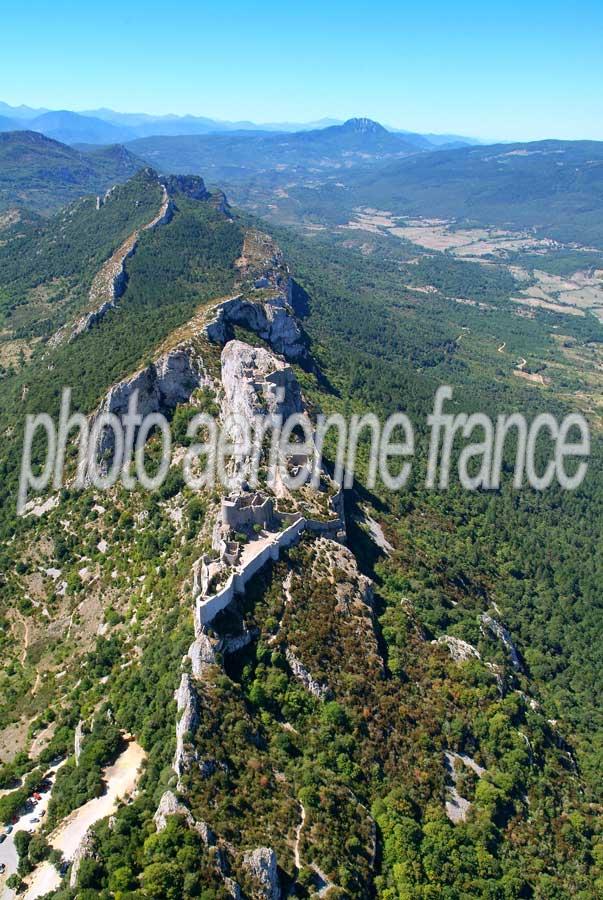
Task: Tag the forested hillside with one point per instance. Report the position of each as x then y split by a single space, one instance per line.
403 706
554 187
42 174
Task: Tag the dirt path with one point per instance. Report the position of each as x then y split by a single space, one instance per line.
522 363
501 349
23 621
324 883
298 832
44 881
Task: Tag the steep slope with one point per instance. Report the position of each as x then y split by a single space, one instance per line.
7 124
44 174
47 263
305 729
73 128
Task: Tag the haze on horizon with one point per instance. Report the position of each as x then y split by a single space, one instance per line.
498 73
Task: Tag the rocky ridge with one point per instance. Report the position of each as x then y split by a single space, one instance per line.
109 283
252 381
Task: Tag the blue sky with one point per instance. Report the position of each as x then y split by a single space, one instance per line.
512 71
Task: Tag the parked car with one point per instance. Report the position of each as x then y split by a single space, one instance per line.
9 828
2 838
34 820
2 868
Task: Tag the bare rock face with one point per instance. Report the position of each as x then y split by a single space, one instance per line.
79 735
219 200
86 850
500 632
234 643
92 318
272 320
201 654
256 382
320 691
186 700
169 805
179 373
232 888
460 650
163 384
191 186
261 865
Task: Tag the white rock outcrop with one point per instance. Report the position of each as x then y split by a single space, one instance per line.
256 384
201 654
261 865
272 320
188 707
459 650
169 805
320 691
86 849
77 742
170 380
255 381
500 632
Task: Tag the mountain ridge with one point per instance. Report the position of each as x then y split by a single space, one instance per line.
44 174
349 706
135 125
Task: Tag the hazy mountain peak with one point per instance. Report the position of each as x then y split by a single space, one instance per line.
364 126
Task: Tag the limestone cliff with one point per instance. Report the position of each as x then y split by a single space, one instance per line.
255 383
161 386
271 319
186 700
261 865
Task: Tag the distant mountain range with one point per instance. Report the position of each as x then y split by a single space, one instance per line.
554 187
235 157
105 126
